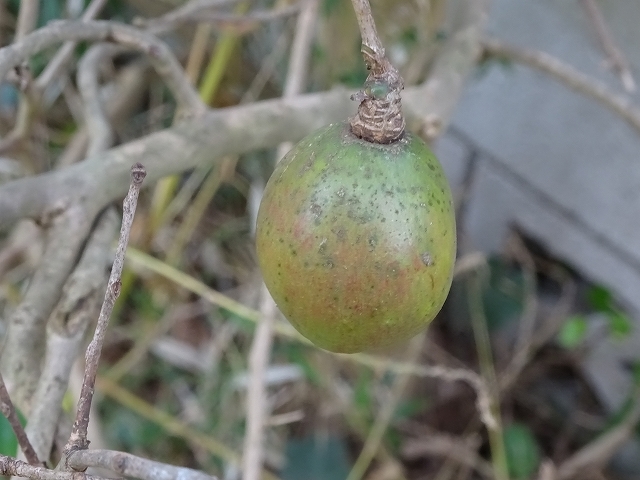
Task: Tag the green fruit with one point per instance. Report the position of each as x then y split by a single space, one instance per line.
357 240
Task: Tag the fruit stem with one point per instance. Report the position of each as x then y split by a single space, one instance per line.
379 118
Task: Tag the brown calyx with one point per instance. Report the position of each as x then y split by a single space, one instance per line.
379 118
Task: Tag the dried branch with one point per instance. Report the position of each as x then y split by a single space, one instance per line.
599 451
79 305
237 130
21 359
616 58
63 55
131 466
9 411
78 439
568 75
27 18
263 339
161 56
12 466
95 117
243 23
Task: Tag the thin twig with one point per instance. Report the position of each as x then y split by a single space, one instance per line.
261 346
242 23
161 56
599 451
568 75
78 306
132 466
63 55
370 39
385 415
27 18
9 411
95 117
78 439
616 58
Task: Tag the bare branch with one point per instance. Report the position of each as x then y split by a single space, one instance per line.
95 117
79 305
27 18
12 466
9 411
131 466
568 75
599 451
616 58
62 56
78 439
263 339
441 91
243 23
25 339
241 129
161 56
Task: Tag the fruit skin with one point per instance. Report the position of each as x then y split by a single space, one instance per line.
356 240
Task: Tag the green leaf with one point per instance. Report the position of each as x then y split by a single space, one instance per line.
619 325
600 298
8 441
573 331
523 452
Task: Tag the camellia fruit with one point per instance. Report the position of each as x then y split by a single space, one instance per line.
356 233
356 240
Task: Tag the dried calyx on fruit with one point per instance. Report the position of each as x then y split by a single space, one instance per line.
356 234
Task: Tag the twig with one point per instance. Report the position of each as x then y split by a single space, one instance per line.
25 339
27 18
242 23
100 131
63 55
616 58
600 450
261 346
9 411
12 466
131 466
384 416
568 75
161 56
487 369
189 9
78 306
256 391
78 439
445 445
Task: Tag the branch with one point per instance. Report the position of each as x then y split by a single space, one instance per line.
615 57
9 411
62 56
163 59
27 18
600 450
95 118
252 457
79 305
21 360
131 466
12 466
78 438
451 69
570 76
241 129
